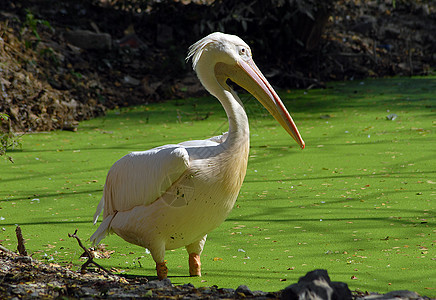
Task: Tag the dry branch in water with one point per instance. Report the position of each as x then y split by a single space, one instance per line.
88 254
20 247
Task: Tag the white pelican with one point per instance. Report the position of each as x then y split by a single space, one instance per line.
172 196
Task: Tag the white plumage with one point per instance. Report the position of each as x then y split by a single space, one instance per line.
172 196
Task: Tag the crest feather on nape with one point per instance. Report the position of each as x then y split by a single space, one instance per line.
196 49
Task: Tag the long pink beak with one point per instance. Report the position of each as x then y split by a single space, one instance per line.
257 85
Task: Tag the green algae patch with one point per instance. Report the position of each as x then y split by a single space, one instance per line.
357 201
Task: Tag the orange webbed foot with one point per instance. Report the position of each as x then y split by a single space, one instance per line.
194 264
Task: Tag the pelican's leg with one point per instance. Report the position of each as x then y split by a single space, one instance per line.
158 254
194 251
162 270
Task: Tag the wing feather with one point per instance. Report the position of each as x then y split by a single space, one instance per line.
140 178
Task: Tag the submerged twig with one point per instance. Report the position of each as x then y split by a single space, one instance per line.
88 254
20 247
4 249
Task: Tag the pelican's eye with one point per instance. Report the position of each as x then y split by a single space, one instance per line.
243 51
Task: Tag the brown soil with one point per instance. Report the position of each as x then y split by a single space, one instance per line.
47 83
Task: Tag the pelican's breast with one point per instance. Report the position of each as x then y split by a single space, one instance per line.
201 200
221 168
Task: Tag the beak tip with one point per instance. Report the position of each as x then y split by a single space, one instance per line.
302 145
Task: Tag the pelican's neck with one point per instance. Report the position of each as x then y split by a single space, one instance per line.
234 151
238 121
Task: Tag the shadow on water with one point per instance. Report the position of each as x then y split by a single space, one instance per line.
54 194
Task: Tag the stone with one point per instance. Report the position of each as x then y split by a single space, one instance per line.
24 259
402 294
394 295
87 291
243 290
157 284
226 292
390 32
164 35
317 285
366 25
89 40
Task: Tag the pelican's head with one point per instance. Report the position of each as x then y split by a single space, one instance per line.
218 57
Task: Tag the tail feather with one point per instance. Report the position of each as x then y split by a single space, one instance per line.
99 209
102 231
